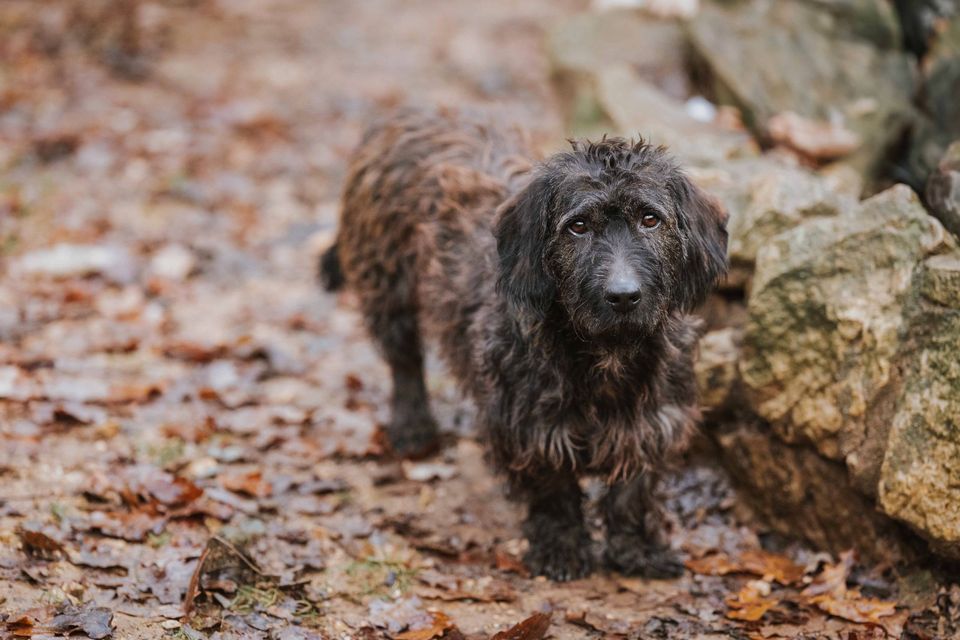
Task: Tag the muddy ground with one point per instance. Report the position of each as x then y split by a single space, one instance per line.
188 424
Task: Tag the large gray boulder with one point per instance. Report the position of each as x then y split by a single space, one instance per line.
621 72
920 477
853 326
766 196
772 57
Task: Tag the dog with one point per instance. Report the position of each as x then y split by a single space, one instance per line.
560 293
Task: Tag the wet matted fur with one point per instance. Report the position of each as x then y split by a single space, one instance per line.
559 293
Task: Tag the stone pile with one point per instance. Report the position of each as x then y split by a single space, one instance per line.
831 372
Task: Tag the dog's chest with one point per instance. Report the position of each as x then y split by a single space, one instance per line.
627 421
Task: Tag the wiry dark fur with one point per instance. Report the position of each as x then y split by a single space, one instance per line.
447 226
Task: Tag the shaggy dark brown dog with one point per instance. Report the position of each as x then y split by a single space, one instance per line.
560 296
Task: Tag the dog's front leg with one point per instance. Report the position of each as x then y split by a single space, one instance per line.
636 539
559 542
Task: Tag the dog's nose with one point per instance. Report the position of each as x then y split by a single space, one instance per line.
623 295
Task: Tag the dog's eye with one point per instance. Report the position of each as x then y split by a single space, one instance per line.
578 227
650 220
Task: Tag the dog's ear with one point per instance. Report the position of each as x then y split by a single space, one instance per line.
521 232
703 223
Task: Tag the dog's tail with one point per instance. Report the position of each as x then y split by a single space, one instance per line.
330 270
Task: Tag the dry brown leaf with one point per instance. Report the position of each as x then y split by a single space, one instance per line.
510 563
251 483
600 624
772 566
829 593
751 602
757 562
132 527
27 623
832 579
533 628
450 588
855 607
36 542
717 564
439 626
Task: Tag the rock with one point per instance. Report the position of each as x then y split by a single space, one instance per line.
939 124
635 106
619 72
801 494
872 20
920 477
815 140
941 281
716 368
765 197
850 351
659 8
777 201
749 53
943 190
825 315
588 42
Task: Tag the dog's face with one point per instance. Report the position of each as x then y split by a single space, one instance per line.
613 234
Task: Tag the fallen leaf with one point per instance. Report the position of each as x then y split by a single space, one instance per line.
751 602
483 589
757 562
533 628
855 607
37 542
95 622
251 484
400 615
772 566
437 627
832 579
717 564
510 563
132 527
829 593
100 556
220 561
26 623
605 626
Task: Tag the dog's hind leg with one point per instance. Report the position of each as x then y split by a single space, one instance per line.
412 430
636 539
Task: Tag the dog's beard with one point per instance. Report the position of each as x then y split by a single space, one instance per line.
597 322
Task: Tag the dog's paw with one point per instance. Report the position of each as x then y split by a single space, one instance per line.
413 436
560 562
633 556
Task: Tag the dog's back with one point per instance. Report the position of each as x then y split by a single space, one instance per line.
414 241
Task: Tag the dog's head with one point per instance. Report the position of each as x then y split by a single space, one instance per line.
614 234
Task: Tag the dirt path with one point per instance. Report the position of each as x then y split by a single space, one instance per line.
170 371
